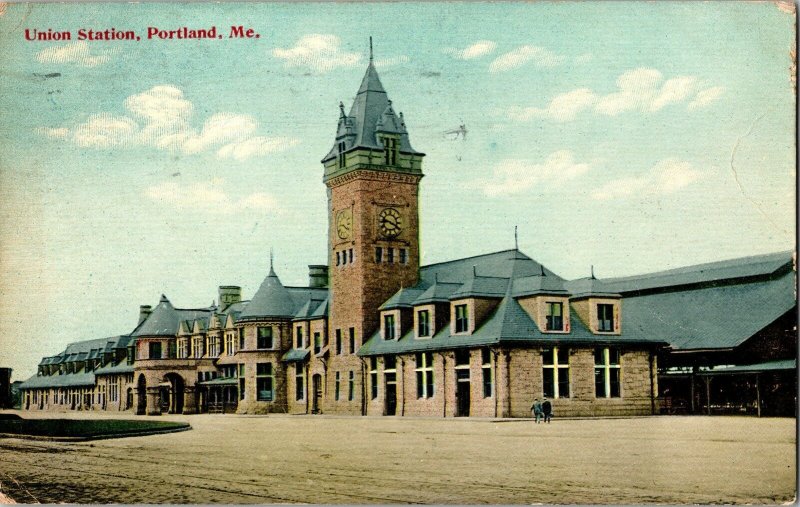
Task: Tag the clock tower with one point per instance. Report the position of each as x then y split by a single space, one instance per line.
372 174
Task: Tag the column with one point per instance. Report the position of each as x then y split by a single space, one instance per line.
153 398
189 400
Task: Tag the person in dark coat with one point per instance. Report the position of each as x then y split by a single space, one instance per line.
547 410
536 408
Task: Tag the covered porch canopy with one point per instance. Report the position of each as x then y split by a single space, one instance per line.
773 369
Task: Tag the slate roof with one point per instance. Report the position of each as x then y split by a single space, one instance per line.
294 355
371 112
274 300
65 380
165 319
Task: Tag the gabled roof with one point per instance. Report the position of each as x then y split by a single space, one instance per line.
403 298
81 378
165 319
539 284
371 112
481 286
585 287
322 310
503 264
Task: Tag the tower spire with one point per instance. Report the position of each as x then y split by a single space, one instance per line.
370 49
516 242
271 259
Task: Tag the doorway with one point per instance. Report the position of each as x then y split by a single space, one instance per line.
391 394
172 395
141 395
316 400
462 393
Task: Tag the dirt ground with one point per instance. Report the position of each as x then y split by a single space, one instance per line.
327 459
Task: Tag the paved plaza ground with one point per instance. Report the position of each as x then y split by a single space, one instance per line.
327 459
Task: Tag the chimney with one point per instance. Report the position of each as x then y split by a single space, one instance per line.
229 294
317 276
144 312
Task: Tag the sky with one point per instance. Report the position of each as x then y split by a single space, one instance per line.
628 136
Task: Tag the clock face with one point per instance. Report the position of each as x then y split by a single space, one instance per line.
344 224
390 222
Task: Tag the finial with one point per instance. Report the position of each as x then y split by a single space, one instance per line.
516 243
271 259
592 268
474 270
341 109
370 48
542 268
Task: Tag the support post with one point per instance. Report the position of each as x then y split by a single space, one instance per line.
758 395
153 397
708 395
189 400
691 389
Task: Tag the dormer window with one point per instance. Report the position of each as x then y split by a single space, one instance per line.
423 323
462 319
264 337
298 343
341 157
388 327
555 316
390 150
605 317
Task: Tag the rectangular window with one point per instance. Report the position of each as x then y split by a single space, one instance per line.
424 371
555 320
241 382
606 373
351 386
373 377
350 255
241 338
264 337
344 257
486 369
338 381
423 323
299 384
317 343
403 256
338 258
390 150
265 382
154 351
462 357
352 331
388 327
605 317
182 348
229 344
462 319
390 255
378 254
341 157
338 340
298 342
555 372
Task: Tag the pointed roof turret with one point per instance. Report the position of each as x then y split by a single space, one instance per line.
370 113
271 300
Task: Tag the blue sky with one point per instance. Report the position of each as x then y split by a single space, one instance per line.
631 136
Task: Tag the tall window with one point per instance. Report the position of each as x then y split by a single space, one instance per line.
352 340
486 369
351 385
183 351
229 350
113 389
298 342
241 381
403 256
462 319
425 375
390 255
337 385
299 385
555 372
606 372
241 338
341 157
605 317
373 377
378 254
555 319
317 343
390 150
338 341
265 382
264 337
213 346
197 347
338 258
423 323
388 326
154 350
350 255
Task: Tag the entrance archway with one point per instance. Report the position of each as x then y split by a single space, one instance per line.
174 393
141 395
316 401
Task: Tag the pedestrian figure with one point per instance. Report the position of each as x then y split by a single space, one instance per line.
536 408
547 410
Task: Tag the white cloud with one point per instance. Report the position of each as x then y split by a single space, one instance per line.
318 52
77 52
210 196
665 177
637 90
161 117
583 58
515 176
475 50
256 146
388 62
706 97
520 56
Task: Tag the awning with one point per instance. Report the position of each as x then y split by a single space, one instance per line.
295 355
219 381
782 365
